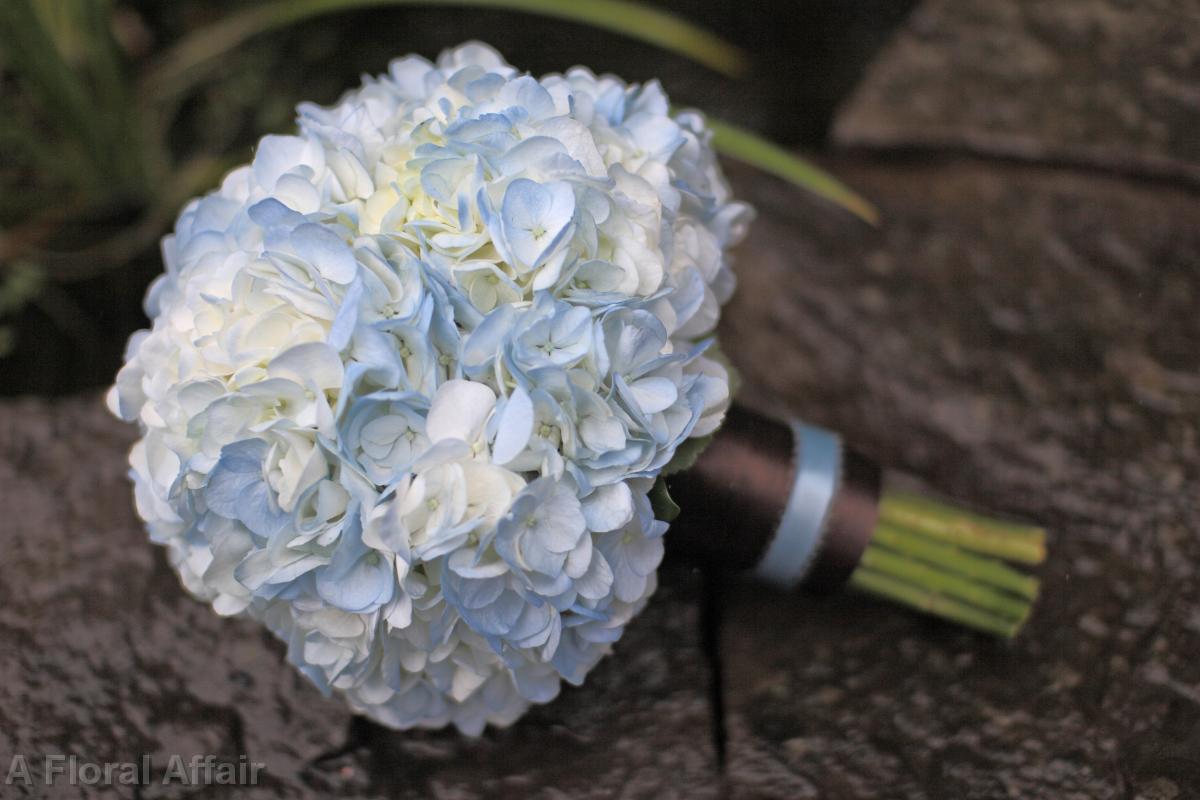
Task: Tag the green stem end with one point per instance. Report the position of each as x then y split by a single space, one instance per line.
952 563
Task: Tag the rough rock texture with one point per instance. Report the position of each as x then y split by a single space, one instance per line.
1108 83
106 658
1024 339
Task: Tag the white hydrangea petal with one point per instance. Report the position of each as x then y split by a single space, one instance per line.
314 364
578 141
515 426
459 410
608 507
298 193
277 155
326 251
654 394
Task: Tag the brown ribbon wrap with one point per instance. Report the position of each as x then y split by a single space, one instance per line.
733 497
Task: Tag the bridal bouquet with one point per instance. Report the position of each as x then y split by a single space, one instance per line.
420 377
413 373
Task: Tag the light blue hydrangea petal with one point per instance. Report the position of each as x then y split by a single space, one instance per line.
535 217
357 579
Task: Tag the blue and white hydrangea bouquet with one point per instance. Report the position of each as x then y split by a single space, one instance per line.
413 372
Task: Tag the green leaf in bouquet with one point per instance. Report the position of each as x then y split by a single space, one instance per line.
686 454
664 507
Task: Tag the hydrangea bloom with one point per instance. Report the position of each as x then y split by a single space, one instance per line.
413 371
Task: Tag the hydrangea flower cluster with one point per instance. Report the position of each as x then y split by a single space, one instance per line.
413 372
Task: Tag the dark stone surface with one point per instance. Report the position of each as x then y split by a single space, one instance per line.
1112 84
1023 339
105 657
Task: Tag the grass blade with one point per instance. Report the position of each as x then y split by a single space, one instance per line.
758 152
34 55
188 61
69 66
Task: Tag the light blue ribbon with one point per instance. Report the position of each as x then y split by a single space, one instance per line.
818 473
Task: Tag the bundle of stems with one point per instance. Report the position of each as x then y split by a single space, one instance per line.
952 563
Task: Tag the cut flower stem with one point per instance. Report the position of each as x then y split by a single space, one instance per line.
951 563
1011 541
908 594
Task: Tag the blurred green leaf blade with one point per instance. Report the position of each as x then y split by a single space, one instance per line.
752 149
75 95
189 60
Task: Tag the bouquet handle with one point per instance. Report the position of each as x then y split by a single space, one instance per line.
794 505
